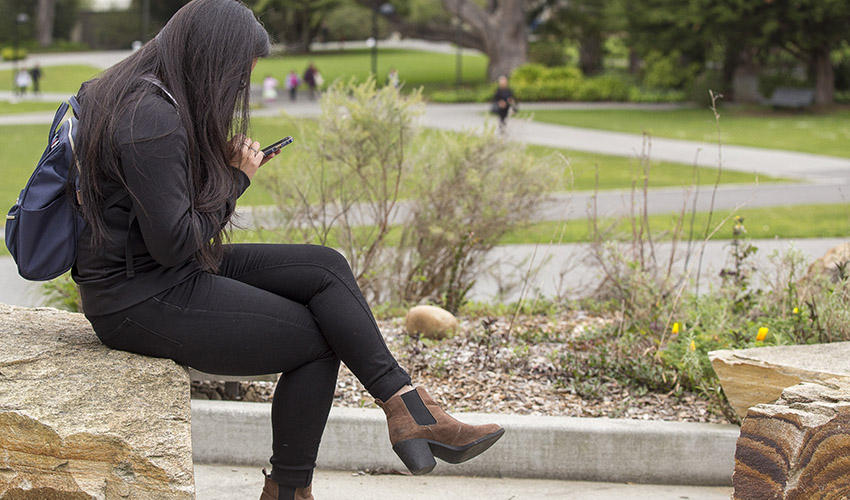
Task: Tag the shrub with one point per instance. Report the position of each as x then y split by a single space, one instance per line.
9 54
705 81
470 192
533 82
467 190
548 53
666 71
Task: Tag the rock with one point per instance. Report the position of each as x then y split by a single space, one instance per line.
431 322
831 264
81 421
760 374
797 448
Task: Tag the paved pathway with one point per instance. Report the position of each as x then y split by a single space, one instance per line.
221 482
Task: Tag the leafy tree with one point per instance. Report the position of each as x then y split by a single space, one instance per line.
589 22
47 19
810 30
498 28
295 23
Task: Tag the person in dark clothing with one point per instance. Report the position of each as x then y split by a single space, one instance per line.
164 132
310 79
35 73
503 101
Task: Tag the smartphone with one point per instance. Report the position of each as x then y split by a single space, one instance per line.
277 146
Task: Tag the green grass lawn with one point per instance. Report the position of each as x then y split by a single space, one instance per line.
415 68
12 108
795 222
825 133
822 221
59 78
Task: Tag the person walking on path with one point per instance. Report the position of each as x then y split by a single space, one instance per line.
504 101
270 84
35 74
393 78
164 154
310 77
292 83
22 81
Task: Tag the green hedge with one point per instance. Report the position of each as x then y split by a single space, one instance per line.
8 54
535 82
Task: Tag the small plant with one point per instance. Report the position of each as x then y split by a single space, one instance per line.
62 293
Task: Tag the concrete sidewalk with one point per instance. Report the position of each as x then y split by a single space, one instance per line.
538 447
226 482
538 457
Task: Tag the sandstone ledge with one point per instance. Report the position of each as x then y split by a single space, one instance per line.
759 375
797 448
81 421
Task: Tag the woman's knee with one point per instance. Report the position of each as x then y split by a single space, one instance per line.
332 259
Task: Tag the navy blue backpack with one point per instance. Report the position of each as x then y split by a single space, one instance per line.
43 226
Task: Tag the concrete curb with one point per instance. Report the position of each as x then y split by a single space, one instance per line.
567 448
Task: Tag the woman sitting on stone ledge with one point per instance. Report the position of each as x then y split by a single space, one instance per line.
164 156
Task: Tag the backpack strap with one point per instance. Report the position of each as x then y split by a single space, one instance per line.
155 81
57 119
117 196
75 106
128 250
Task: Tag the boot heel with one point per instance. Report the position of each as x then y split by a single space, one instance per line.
416 455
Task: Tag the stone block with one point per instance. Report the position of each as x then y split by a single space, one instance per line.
760 374
797 448
81 421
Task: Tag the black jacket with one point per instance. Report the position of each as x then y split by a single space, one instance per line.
152 146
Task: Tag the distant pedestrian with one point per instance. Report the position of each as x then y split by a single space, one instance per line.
270 84
392 78
291 83
504 101
310 79
22 81
35 74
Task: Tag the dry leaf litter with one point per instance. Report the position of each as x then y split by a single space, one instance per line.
500 365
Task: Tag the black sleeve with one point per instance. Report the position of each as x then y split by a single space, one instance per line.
153 152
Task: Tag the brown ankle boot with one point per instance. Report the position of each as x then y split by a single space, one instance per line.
271 491
420 430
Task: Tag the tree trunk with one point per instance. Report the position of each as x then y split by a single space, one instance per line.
501 27
508 50
590 53
634 62
44 16
824 77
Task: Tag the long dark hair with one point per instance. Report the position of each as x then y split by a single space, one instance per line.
203 56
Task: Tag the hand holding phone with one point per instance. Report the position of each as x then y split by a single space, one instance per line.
277 146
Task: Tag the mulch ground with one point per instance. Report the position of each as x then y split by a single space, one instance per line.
500 365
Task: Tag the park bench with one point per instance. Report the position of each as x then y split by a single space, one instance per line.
797 98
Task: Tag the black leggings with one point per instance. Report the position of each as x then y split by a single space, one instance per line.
291 309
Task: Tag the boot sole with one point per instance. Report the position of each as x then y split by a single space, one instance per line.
418 454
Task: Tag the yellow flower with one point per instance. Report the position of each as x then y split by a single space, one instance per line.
675 328
693 346
796 311
761 334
